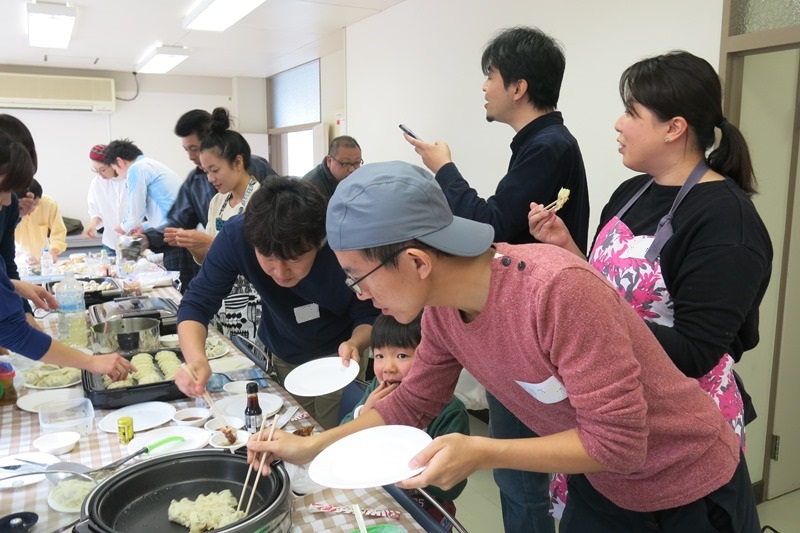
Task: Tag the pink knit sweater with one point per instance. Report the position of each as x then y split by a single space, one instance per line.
662 440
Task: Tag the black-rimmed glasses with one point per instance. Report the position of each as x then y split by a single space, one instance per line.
352 284
349 165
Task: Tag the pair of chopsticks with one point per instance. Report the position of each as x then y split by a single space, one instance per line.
551 206
260 466
206 395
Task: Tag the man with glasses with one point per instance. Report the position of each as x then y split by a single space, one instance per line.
647 449
107 200
344 156
308 312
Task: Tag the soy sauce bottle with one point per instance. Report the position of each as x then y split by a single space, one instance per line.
252 413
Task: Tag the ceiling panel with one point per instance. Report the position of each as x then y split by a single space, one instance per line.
116 35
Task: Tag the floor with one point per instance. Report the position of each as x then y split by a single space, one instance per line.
478 507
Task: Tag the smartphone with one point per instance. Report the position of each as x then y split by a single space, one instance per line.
408 131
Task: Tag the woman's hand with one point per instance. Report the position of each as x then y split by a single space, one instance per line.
547 227
113 365
35 293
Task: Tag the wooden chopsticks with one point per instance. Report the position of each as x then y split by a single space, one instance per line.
260 466
551 206
206 395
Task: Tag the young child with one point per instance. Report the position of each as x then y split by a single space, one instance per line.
393 345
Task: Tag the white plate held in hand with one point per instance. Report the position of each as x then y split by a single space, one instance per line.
320 376
361 460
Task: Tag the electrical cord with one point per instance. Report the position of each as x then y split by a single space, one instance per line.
135 96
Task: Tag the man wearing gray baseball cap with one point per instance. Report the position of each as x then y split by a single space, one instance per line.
555 344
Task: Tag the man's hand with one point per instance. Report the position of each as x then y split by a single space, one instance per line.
434 156
450 458
187 385
285 446
90 232
349 352
171 236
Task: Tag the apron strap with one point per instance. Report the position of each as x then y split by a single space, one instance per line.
664 231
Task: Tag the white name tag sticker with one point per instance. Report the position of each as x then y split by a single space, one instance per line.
304 313
637 247
548 391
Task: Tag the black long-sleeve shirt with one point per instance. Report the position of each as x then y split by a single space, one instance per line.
544 158
716 267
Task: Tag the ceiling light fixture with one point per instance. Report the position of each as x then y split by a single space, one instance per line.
162 59
50 25
218 15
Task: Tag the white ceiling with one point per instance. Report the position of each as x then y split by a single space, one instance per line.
116 34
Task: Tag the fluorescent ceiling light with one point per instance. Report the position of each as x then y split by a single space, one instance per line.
218 15
162 59
50 25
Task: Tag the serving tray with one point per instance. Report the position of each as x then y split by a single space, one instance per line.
103 398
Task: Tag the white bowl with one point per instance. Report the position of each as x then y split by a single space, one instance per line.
193 416
218 440
215 423
170 341
236 387
57 443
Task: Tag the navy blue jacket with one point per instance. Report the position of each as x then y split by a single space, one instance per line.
544 158
296 343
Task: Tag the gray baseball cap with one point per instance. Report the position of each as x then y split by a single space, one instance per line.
392 202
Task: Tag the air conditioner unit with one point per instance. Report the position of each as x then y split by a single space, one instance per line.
75 93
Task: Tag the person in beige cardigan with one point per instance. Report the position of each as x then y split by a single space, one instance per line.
43 221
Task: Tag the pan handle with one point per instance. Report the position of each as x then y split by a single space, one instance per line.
82 526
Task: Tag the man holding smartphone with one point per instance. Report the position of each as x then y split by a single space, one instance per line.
524 68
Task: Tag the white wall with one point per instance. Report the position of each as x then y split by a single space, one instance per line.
63 138
333 96
419 63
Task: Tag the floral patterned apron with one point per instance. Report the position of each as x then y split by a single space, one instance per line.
631 264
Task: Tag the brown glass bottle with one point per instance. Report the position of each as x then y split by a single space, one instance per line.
252 413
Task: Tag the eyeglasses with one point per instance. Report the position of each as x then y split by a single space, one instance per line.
352 283
349 165
100 170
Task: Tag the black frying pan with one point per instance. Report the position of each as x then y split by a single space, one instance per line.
137 499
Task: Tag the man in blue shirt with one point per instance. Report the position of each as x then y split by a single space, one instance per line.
279 246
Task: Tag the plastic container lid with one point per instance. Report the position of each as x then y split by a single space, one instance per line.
6 370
